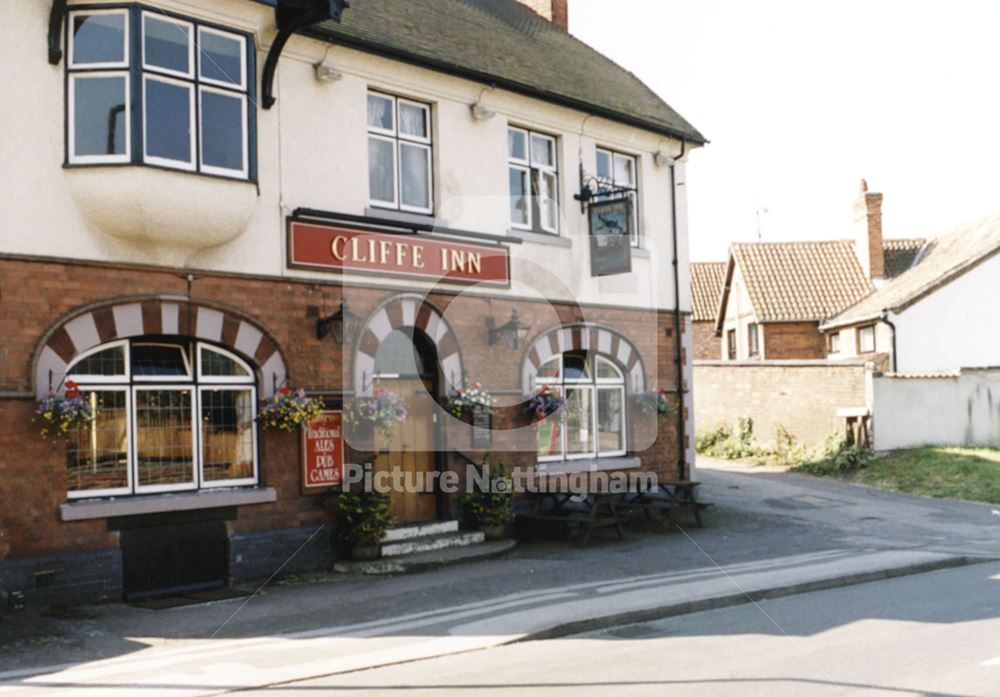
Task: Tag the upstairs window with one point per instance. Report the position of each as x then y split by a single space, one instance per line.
533 177
616 171
866 339
399 154
753 343
833 343
731 344
189 82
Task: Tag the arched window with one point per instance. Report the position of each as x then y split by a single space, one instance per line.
593 422
170 415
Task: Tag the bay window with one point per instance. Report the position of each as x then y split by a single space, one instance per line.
399 154
170 415
533 179
592 422
617 173
191 84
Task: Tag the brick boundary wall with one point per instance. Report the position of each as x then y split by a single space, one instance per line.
801 396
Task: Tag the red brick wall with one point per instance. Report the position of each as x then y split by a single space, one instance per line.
802 398
793 340
34 295
707 346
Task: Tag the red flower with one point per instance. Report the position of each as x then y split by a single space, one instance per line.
284 390
72 390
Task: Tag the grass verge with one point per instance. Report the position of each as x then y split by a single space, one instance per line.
967 474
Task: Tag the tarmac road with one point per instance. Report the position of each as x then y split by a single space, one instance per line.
932 634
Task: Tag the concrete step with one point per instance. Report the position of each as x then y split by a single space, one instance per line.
429 543
423 561
408 532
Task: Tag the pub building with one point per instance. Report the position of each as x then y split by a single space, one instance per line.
211 203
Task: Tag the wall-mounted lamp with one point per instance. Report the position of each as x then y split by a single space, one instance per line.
481 112
513 333
343 324
662 159
325 72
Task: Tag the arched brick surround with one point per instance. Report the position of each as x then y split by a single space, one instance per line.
94 325
404 312
585 337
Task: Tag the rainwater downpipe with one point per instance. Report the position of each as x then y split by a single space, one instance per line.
678 343
892 327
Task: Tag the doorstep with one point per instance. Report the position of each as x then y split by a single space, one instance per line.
423 561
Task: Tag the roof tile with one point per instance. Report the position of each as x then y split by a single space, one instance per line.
707 278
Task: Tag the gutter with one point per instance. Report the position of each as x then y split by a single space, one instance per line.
678 344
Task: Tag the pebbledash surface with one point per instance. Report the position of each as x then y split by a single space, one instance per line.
178 256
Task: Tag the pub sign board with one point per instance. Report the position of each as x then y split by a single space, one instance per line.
610 237
331 247
323 452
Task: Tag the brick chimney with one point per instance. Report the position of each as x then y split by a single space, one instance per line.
556 11
868 232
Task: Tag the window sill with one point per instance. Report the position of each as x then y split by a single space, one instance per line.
89 509
540 238
403 216
601 464
640 253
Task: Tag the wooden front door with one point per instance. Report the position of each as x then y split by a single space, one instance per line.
411 449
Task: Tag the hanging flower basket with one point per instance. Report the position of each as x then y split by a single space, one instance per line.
289 411
544 404
654 402
470 398
57 415
383 410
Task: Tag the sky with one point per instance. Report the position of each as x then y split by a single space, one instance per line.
801 100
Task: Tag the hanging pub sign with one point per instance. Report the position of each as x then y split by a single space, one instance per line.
610 239
324 246
323 452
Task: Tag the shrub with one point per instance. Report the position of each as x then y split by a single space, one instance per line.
835 456
730 444
490 504
366 515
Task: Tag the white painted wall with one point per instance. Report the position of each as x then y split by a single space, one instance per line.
960 409
739 315
956 326
312 152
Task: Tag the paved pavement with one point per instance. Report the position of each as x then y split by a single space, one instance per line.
769 532
932 634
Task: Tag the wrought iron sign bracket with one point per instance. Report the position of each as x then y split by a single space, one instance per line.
591 187
293 16
56 15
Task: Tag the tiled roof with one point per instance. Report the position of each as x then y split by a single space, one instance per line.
706 289
800 281
504 43
900 255
942 261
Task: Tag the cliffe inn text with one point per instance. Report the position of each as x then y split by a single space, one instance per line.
319 246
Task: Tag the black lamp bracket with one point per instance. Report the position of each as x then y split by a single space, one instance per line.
293 16
592 186
56 15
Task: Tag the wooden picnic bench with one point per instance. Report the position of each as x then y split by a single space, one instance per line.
665 498
594 510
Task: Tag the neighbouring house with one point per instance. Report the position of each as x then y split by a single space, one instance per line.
706 291
940 315
210 204
775 295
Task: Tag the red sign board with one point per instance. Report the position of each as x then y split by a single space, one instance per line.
336 248
323 452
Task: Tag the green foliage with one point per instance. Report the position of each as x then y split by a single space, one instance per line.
835 456
366 515
730 443
969 474
491 502
787 450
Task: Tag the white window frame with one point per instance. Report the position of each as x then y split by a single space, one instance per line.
595 385
861 346
187 166
189 377
82 378
91 386
529 165
195 439
397 139
223 380
157 17
633 196
70 48
835 342
224 171
71 116
242 85
200 460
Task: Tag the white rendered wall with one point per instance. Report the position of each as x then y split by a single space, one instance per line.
312 152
